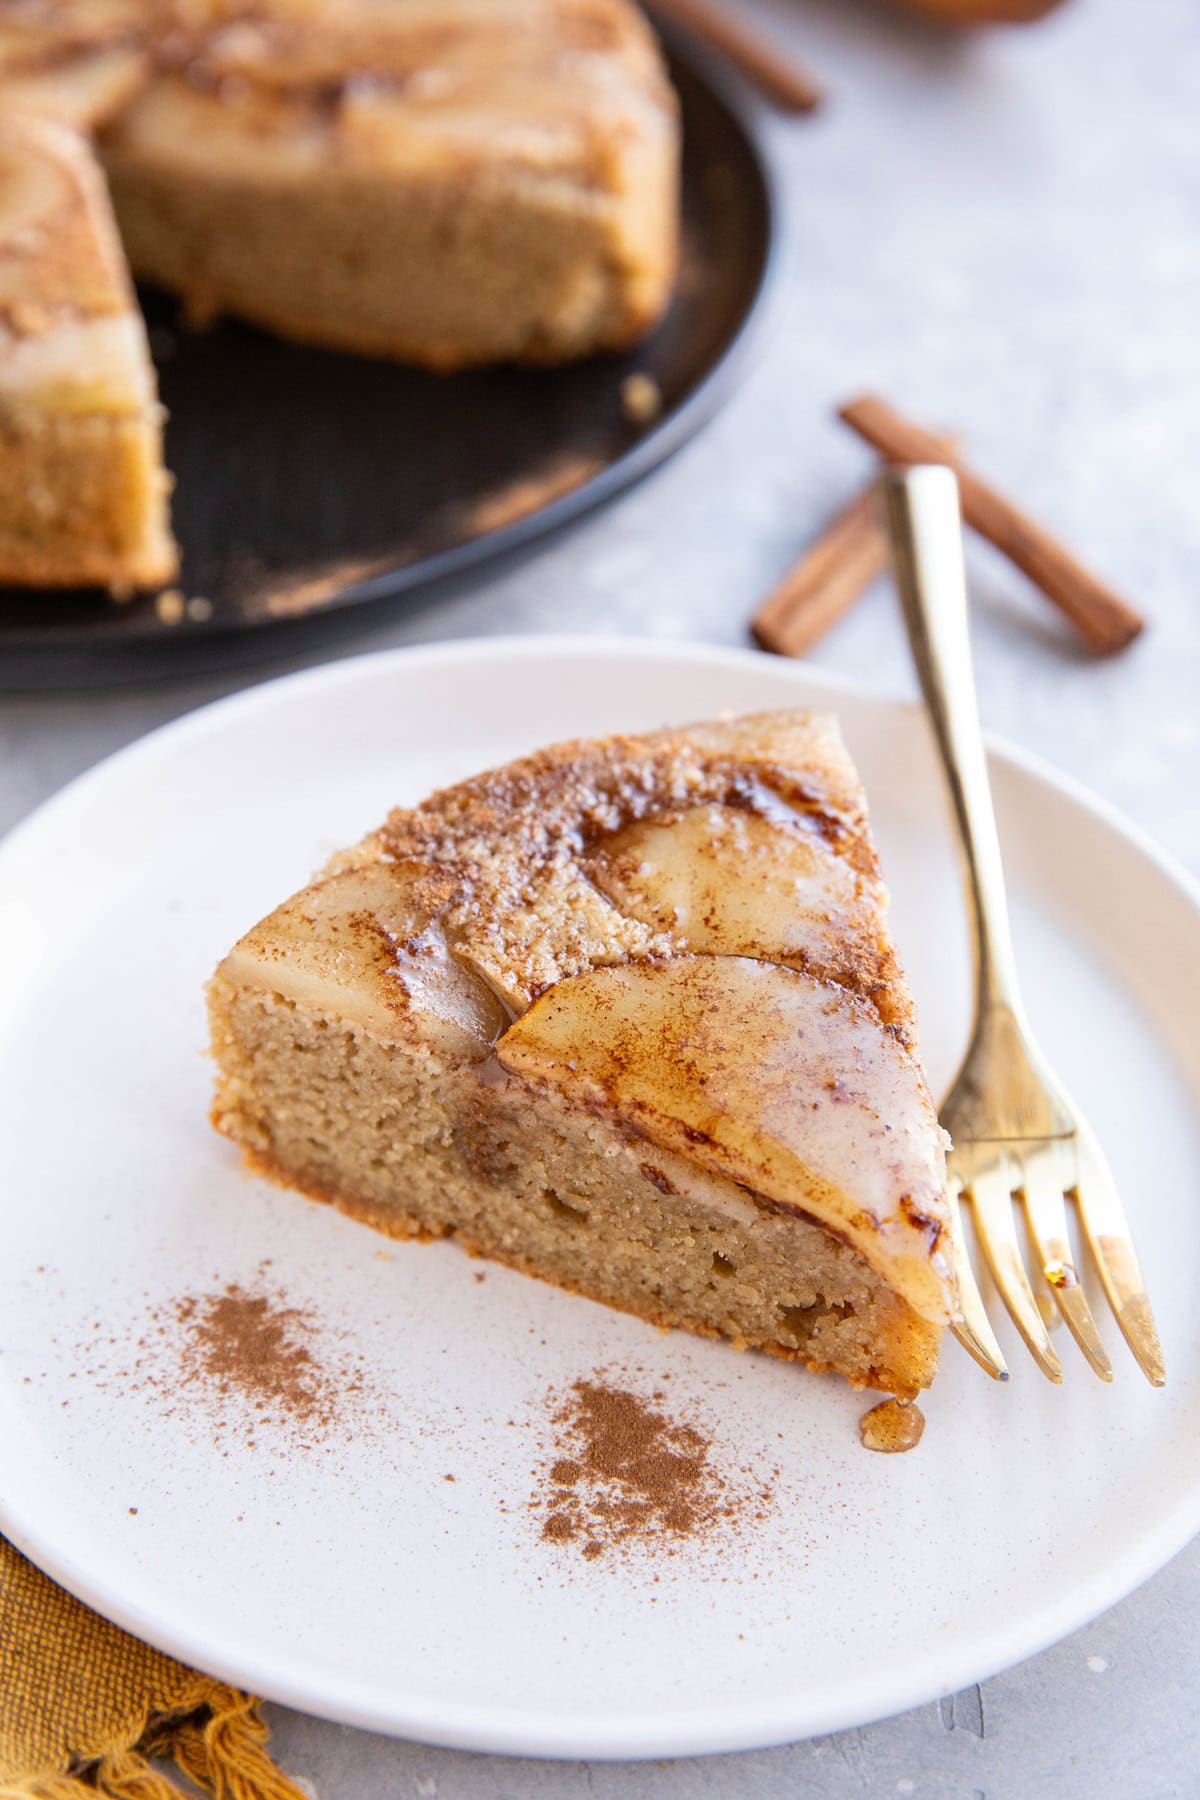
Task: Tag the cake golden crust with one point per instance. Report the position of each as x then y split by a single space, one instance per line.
624 1015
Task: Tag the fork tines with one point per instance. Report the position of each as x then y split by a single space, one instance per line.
1040 1174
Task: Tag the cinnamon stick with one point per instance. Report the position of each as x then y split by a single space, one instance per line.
1106 621
826 581
828 577
772 70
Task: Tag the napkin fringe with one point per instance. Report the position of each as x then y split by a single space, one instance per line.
219 1744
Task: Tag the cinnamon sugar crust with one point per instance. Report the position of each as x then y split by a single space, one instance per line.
532 871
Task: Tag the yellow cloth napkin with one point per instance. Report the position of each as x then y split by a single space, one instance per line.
84 1706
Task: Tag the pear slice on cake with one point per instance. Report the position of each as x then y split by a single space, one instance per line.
785 1084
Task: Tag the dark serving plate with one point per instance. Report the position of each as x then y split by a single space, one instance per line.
313 488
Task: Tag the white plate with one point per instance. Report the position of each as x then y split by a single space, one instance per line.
352 1580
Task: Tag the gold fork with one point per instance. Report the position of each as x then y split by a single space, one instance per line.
1016 1135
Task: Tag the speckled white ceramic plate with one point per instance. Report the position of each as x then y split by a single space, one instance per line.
336 1569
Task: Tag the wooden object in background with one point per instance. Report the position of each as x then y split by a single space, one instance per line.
829 577
982 12
1104 619
773 70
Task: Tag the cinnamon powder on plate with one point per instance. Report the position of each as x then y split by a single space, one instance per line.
625 1471
241 1359
236 1341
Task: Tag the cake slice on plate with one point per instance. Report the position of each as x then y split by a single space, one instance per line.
624 1015
83 491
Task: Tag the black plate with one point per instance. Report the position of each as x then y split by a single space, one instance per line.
311 486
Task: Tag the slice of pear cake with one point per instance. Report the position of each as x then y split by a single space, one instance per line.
625 1015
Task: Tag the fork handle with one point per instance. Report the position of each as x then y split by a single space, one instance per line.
925 527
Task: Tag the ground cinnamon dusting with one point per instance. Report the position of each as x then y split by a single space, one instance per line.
625 1472
256 1346
242 1360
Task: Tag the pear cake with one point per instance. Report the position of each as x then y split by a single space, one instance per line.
83 491
444 181
624 1015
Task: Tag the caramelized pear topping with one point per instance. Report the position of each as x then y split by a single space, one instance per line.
355 946
764 1074
729 880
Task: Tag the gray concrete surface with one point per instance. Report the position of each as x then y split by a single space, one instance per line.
1002 232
